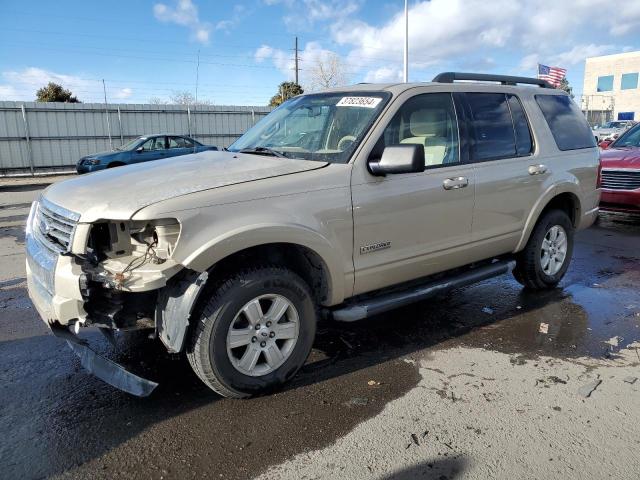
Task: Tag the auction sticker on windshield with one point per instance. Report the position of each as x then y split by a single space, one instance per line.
366 102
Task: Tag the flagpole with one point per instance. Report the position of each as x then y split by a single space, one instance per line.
406 41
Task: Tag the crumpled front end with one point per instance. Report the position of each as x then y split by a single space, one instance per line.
106 274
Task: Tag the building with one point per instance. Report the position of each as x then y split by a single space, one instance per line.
611 88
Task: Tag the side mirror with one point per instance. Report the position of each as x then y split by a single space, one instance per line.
140 149
408 158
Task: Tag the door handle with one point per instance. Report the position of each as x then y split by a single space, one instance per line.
537 169
455 183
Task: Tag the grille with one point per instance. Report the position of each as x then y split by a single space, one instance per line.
54 226
621 179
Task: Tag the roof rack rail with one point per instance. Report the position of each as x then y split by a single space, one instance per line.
450 77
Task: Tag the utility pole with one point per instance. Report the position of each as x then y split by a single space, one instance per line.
296 60
106 111
406 41
195 104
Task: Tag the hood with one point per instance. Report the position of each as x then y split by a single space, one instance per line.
108 153
627 157
118 193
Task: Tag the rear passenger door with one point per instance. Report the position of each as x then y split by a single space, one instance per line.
177 147
509 177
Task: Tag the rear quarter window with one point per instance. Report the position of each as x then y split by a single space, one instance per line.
566 122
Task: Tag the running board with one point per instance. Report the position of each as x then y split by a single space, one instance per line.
390 301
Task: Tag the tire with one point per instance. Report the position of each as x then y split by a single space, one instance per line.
241 302
532 269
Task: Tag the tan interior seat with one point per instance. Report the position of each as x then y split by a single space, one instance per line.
428 127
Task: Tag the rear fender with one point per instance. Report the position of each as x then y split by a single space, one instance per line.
544 200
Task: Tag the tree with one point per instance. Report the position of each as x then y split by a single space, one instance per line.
53 92
328 72
564 85
286 90
186 98
157 101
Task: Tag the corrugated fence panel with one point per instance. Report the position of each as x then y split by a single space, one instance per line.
60 133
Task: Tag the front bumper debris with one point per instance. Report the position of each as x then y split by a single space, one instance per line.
106 370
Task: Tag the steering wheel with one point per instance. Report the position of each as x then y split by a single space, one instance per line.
345 142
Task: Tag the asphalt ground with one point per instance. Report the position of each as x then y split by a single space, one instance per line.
56 420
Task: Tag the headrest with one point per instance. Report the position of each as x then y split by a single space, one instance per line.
428 122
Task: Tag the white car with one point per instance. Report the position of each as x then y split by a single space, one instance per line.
611 130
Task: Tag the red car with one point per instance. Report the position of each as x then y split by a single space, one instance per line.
620 178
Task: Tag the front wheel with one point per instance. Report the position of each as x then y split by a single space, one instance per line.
546 257
254 333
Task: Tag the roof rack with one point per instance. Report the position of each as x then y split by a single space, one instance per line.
450 77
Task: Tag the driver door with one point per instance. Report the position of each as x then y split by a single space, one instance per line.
411 225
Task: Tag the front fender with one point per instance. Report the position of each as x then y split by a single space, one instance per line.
239 239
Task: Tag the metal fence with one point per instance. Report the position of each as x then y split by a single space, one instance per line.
37 136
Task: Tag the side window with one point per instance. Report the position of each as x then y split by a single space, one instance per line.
491 126
176 142
524 144
188 142
148 145
429 120
158 143
566 122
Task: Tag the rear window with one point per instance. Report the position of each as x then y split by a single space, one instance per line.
524 144
566 122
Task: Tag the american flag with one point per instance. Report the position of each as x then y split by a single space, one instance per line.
553 75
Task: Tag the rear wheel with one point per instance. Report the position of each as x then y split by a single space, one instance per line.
254 333
547 255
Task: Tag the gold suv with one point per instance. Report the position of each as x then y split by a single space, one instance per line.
352 202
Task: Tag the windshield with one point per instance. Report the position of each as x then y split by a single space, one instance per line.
630 138
325 127
614 125
131 145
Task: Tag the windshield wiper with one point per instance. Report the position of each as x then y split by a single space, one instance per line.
263 151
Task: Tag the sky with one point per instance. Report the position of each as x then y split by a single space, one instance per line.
147 50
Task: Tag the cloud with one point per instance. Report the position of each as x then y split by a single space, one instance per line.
8 92
123 93
454 33
579 53
568 58
384 75
627 20
312 54
23 84
185 13
239 12
304 14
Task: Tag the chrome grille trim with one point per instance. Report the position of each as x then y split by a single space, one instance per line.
42 263
620 179
54 226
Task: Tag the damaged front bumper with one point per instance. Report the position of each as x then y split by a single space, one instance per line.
106 370
53 282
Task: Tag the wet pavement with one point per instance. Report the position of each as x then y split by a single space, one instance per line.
56 420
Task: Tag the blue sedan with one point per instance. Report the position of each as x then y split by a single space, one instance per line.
142 149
